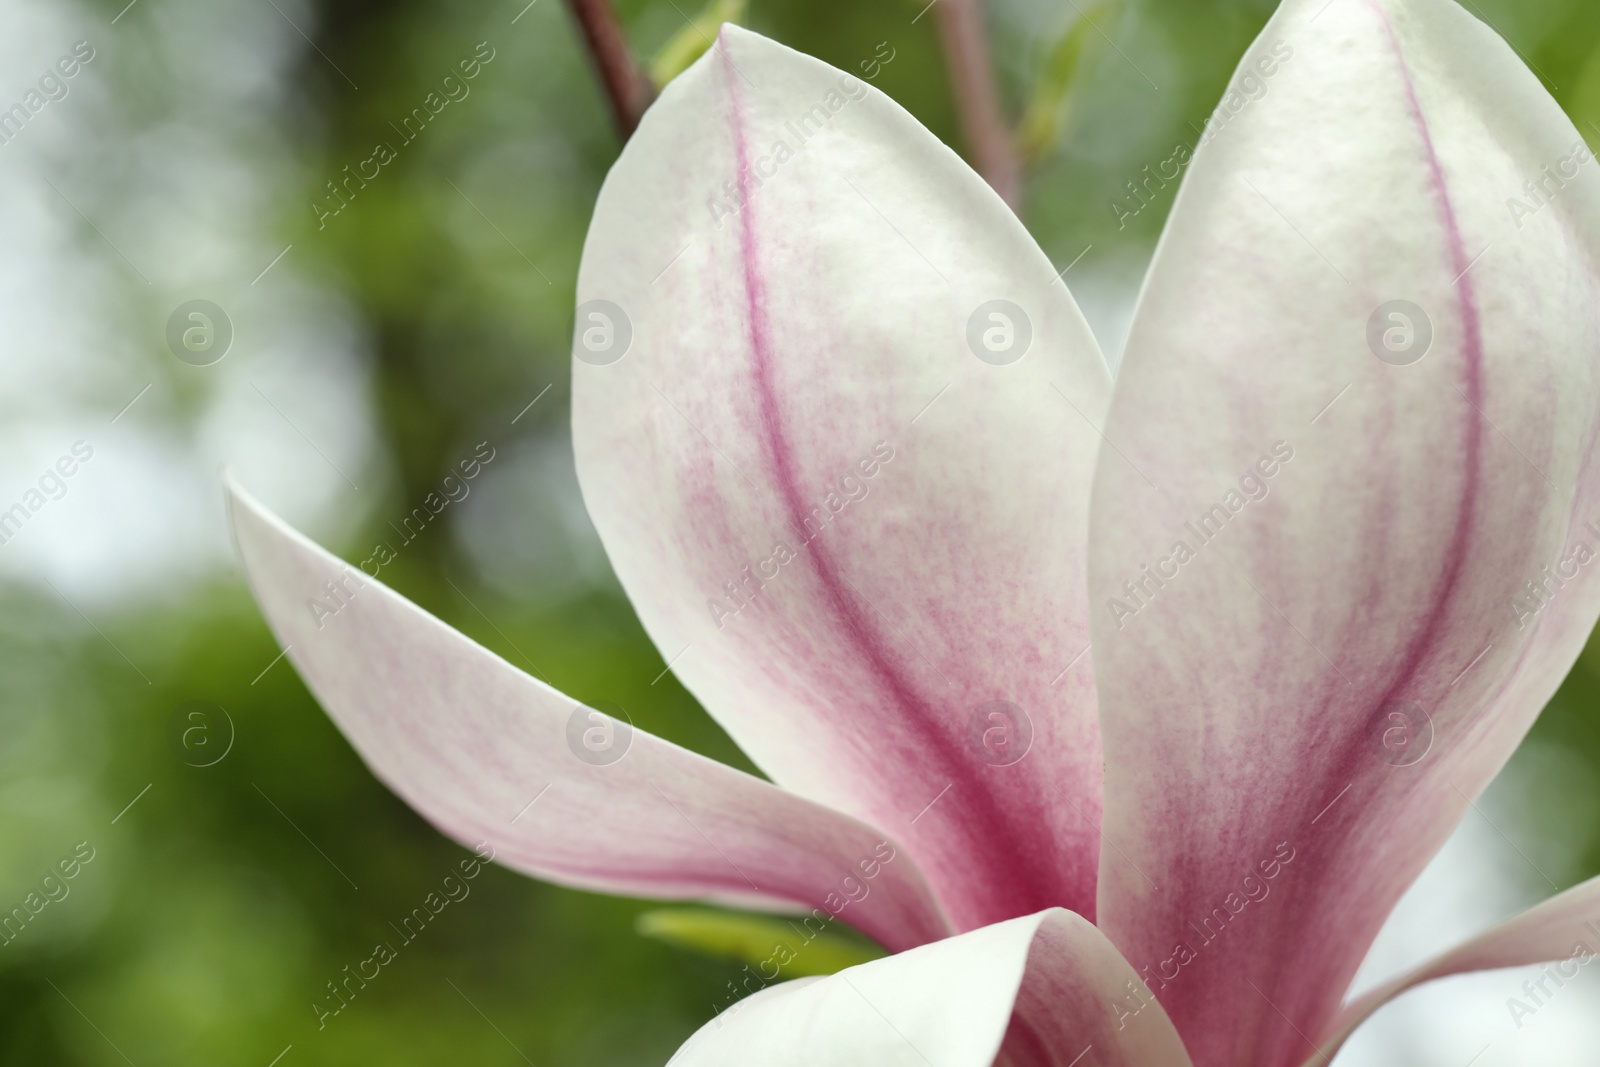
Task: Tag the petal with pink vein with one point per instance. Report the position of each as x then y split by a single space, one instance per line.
1565 928
485 753
1045 990
1342 552
835 420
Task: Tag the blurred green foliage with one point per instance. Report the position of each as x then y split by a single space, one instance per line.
767 943
691 42
220 903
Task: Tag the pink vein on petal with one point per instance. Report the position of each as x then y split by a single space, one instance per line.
1472 344
1434 627
1029 888
1429 631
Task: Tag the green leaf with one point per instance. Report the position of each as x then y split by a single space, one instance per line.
1051 99
1583 100
689 43
797 947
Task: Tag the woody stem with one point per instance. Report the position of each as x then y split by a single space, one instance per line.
977 98
627 88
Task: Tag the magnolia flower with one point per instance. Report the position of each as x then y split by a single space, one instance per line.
1141 778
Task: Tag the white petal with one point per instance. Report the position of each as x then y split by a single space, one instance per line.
1564 928
488 754
800 264
1047 989
1354 592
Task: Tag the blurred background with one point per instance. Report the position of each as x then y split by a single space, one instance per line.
239 860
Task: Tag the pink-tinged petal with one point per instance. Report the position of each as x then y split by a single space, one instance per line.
1044 990
488 754
1360 512
856 542
1565 928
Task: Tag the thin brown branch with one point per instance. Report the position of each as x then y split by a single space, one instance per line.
627 87
972 82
